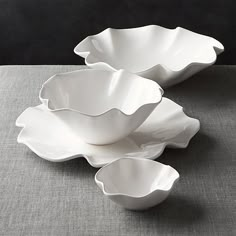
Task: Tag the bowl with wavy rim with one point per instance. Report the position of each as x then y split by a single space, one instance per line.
101 106
167 127
167 56
136 183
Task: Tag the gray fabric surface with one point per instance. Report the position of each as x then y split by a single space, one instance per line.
42 198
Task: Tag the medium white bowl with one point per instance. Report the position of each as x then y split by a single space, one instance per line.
136 183
102 107
167 56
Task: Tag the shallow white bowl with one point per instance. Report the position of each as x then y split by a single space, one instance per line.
136 183
167 56
51 139
101 106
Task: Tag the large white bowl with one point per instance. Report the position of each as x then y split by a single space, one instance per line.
136 183
167 56
101 106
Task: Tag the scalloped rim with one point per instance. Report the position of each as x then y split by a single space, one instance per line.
218 48
46 101
101 184
195 129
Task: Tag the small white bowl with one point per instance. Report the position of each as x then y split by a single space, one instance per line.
167 56
136 183
102 107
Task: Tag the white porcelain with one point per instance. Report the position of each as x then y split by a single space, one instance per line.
50 138
136 184
167 56
101 106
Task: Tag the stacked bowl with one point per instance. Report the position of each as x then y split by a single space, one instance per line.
114 114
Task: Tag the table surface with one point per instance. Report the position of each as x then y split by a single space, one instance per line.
38 197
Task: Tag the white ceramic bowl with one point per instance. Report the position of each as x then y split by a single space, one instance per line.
136 183
167 126
167 56
102 107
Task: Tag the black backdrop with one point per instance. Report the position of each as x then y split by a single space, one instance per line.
46 31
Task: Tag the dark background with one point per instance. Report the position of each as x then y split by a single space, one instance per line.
46 31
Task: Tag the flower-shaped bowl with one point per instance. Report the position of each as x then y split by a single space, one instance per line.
167 56
101 106
136 183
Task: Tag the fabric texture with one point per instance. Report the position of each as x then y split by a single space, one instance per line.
38 197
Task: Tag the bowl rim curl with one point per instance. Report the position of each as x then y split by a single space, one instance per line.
217 48
46 101
101 183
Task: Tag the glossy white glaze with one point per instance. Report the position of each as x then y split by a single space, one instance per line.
50 138
136 183
102 107
167 56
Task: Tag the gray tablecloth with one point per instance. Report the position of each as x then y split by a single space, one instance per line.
38 197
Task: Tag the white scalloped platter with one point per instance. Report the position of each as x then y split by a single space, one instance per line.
47 136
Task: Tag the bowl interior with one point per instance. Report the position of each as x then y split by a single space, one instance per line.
95 91
136 177
139 49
